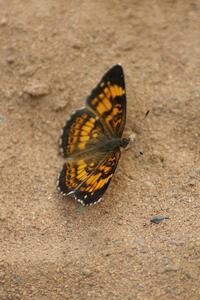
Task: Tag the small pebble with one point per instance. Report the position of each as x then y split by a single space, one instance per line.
127 44
2 274
139 242
158 219
170 268
197 170
76 46
2 119
80 209
149 183
86 272
3 21
27 71
177 242
61 103
2 216
37 89
10 59
16 279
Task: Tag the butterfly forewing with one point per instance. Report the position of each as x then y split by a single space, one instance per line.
81 133
108 101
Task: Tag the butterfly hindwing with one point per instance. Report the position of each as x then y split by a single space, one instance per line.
108 101
75 172
88 179
96 184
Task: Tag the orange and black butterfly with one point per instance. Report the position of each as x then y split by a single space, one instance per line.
92 138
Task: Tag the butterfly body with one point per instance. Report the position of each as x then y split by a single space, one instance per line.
92 138
109 145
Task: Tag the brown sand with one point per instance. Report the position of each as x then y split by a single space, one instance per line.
57 51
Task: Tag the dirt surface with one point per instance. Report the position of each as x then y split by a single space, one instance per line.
52 54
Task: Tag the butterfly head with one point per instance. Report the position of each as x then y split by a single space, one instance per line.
124 142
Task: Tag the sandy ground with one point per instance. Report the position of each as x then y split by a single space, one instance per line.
52 54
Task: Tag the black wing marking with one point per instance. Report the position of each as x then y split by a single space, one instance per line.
108 101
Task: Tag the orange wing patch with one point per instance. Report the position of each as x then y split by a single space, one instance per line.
74 173
104 102
96 184
81 133
88 179
108 101
108 109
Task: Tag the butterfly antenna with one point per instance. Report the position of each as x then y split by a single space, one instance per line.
146 114
132 136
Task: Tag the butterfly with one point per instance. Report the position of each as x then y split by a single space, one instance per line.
92 138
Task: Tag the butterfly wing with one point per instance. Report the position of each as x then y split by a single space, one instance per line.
88 171
88 179
81 133
108 101
75 172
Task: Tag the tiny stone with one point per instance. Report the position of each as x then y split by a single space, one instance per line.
11 108
36 89
76 46
27 71
14 140
16 279
192 183
2 216
138 286
158 219
139 241
142 250
3 21
156 157
120 222
2 274
2 119
170 290
80 209
191 245
170 268
177 242
188 275
127 47
197 170
127 44
61 104
10 59
8 94
86 272
148 183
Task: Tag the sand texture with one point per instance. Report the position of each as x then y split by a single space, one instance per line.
52 53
